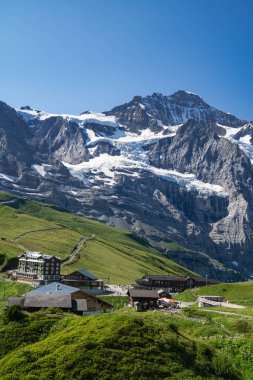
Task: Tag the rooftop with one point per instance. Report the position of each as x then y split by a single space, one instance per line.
143 293
36 255
47 300
87 274
54 288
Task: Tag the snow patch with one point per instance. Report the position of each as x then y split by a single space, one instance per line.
97 118
40 169
7 177
111 165
243 143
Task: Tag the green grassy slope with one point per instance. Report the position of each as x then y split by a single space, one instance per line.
239 292
121 345
11 289
111 252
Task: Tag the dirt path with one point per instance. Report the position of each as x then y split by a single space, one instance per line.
77 249
34 231
227 313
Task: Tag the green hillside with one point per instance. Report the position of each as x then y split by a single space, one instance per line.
239 292
121 345
108 252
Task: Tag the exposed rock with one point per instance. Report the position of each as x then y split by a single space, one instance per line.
166 170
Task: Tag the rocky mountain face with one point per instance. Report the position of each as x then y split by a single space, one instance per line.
169 168
158 110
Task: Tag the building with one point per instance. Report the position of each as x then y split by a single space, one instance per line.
82 279
143 299
37 268
173 284
62 296
207 301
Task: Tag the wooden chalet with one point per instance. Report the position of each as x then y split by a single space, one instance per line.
173 284
62 296
82 279
143 299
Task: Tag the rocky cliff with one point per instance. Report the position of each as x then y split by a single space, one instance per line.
167 167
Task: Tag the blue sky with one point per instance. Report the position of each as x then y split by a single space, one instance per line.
68 56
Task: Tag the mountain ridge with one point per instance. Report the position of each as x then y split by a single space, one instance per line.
165 167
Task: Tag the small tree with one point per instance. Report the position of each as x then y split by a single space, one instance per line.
14 314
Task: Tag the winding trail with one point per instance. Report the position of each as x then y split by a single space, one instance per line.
34 231
77 249
227 313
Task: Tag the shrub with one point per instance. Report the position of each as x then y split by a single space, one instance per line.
14 314
242 326
174 327
53 310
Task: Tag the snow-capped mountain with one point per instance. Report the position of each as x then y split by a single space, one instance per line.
167 167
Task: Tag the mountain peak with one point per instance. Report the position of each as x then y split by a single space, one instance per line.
186 96
157 95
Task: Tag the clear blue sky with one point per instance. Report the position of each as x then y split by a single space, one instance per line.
71 55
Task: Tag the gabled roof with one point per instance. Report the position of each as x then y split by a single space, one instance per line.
33 255
16 301
161 277
143 293
63 301
54 288
87 274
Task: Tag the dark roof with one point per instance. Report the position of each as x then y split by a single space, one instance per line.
143 293
46 300
162 278
87 274
94 292
16 301
148 277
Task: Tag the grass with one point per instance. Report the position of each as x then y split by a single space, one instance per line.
195 344
240 292
120 345
59 242
174 246
112 252
5 197
118 302
11 289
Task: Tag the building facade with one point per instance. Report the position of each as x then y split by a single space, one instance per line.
143 299
37 268
173 284
82 279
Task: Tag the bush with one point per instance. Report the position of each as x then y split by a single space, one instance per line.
14 314
174 327
242 326
53 310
